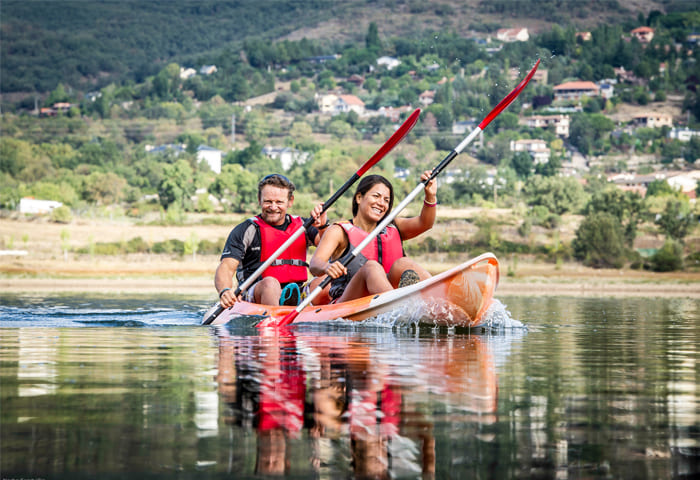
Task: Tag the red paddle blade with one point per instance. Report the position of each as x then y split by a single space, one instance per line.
509 98
395 138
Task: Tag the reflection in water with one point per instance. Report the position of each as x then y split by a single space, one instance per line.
593 388
361 408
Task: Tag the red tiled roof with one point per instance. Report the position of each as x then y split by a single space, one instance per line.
577 86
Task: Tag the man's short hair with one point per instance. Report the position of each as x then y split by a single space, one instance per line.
276 180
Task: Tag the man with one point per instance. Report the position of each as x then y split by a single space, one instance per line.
253 241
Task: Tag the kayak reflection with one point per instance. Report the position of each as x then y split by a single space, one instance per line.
362 407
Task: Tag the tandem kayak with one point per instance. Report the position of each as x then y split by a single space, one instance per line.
458 297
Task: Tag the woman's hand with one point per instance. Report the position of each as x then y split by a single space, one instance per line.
430 188
336 270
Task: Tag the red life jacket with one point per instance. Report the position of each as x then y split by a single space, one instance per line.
291 265
385 248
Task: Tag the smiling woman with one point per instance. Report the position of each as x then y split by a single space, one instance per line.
382 264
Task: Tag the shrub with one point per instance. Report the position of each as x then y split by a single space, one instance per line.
669 257
600 241
61 214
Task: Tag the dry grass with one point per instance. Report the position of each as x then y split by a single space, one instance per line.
47 269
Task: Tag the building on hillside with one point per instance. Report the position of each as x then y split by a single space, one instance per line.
394 113
389 62
323 58
427 97
607 90
356 79
560 122
576 90
186 73
211 156
349 103
584 36
518 34
683 134
653 120
643 34
535 147
685 182
336 104
540 77
175 149
286 155
208 69
32 206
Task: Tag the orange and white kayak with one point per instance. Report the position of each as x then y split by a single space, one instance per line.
457 297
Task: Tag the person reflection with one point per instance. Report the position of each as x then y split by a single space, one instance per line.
355 407
261 380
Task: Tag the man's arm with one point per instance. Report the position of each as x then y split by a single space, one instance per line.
223 279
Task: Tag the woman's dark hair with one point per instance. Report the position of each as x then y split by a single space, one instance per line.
365 185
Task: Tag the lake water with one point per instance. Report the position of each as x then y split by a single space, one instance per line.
135 388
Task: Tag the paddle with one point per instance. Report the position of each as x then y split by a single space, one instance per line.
395 138
289 318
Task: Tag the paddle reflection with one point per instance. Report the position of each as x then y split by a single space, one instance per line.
357 405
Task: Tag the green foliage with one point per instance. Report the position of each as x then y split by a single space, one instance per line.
558 194
235 186
600 241
677 219
177 186
628 208
61 214
668 258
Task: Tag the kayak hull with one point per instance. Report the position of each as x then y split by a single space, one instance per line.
458 297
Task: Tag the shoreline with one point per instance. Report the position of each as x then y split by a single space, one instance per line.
202 285
162 275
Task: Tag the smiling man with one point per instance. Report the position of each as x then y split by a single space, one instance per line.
253 241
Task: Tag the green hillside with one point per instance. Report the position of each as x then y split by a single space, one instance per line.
89 44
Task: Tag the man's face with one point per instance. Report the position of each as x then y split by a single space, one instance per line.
274 202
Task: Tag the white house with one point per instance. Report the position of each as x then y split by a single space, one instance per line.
561 123
287 156
335 104
513 35
389 62
427 97
211 156
683 134
535 147
37 207
653 120
186 73
576 90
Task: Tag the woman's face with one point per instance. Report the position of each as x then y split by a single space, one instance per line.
373 205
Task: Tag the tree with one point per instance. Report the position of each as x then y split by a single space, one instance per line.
677 220
522 164
558 194
599 241
628 208
236 186
104 188
177 186
372 39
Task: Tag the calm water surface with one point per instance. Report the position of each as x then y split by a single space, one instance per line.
136 388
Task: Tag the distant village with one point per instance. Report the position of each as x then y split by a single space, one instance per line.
553 117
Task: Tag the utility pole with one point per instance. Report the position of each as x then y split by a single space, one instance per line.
233 128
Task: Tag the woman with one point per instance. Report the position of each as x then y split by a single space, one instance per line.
382 264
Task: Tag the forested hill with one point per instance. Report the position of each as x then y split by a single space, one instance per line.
88 44
81 42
